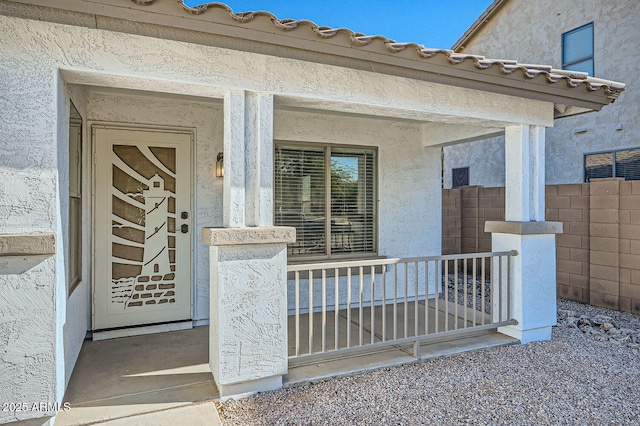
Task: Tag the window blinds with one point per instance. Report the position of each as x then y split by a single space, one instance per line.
623 163
328 194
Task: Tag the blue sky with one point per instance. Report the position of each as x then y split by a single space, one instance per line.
433 23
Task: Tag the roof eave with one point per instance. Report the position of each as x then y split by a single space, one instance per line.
257 32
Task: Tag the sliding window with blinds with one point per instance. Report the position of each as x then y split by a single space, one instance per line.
624 163
328 193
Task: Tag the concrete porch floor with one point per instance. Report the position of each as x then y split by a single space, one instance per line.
164 378
154 379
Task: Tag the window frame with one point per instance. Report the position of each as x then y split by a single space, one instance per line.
75 276
612 153
328 255
583 59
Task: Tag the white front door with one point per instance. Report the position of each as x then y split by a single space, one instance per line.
142 227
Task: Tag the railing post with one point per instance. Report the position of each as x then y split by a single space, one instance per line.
348 307
437 296
373 305
297 304
426 297
336 312
384 303
310 311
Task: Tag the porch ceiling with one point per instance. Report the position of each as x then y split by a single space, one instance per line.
146 86
397 113
443 122
149 94
436 129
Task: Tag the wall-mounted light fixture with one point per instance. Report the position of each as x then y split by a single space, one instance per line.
220 165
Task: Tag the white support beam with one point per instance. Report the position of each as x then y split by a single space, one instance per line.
478 110
233 194
259 153
518 173
525 173
443 134
537 154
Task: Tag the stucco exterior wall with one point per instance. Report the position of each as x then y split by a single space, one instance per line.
408 175
28 203
485 159
532 32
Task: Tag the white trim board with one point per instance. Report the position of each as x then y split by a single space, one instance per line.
137 331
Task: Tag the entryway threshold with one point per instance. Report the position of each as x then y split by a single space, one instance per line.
142 330
346 365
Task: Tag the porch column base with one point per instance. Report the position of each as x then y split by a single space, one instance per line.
532 291
248 307
526 336
248 388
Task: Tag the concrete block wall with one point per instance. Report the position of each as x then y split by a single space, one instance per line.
490 207
476 205
451 221
629 246
598 254
569 204
604 253
469 218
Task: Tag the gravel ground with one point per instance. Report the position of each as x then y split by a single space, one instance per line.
572 379
456 284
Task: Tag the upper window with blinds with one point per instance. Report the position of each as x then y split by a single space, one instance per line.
577 49
328 193
624 163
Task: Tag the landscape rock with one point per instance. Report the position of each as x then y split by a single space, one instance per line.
602 327
575 378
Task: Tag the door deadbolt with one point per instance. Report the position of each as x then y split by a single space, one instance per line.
184 215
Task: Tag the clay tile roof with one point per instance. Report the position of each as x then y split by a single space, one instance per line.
572 79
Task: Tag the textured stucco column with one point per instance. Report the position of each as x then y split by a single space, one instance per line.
248 159
248 327
233 192
532 297
259 161
525 173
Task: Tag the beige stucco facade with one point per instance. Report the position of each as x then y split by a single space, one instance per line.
532 31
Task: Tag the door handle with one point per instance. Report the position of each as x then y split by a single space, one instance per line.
184 228
184 215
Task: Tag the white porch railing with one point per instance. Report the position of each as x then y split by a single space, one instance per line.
350 306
